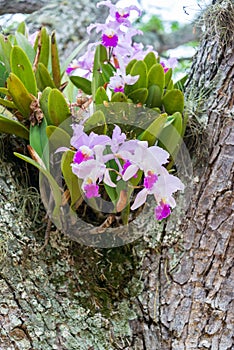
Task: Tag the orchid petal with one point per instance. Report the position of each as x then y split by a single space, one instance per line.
140 199
130 172
108 180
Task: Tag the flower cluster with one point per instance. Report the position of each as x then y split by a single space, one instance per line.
91 164
116 35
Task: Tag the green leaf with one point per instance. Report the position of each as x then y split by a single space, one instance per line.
73 55
101 96
154 98
171 136
156 76
139 95
44 48
99 58
150 60
44 104
57 137
24 44
82 83
43 77
22 28
5 51
20 95
107 71
139 68
111 193
53 184
170 86
4 91
70 178
130 65
39 141
168 76
3 74
21 66
119 97
153 130
173 101
7 103
11 126
57 107
55 61
96 123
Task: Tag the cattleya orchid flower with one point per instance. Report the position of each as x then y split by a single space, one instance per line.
121 15
109 38
120 79
170 63
84 65
94 153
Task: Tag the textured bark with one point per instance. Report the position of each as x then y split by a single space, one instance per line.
190 304
147 295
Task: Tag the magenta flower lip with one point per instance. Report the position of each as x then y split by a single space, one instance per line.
110 40
162 211
91 190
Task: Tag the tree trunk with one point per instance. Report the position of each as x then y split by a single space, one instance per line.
188 297
144 295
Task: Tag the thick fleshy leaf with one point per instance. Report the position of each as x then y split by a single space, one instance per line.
39 141
21 66
170 86
99 58
3 74
11 126
107 71
70 178
101 96
168 76
20 95
22 28
139 95
96 123
44 104
150 60
139 68
23 42
7 103
45 47
173 101
82 83
153 130
57 107
4 91
43 77
156 76
55 61
119 97
130 65
5 51
171 136
154 98
57 137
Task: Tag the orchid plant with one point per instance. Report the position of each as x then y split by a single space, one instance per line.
102 154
